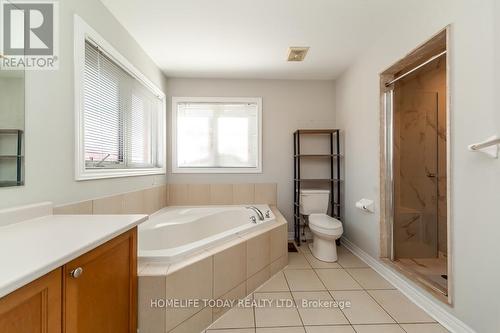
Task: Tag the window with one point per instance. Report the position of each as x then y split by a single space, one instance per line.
216 135
120 120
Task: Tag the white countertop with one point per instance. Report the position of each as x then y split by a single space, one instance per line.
32 248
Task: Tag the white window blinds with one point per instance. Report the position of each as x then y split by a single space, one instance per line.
120 115
217 135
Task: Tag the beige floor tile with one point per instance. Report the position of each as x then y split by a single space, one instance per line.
337 279
424 328
234 330
303 280
196 323
297 329
330 329
379 329
277 313
400 307
363 309
275 283
304 248
349 260
314 313
316 263
239 317
296 260
369 279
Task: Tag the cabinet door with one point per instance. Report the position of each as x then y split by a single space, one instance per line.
100 288
34 308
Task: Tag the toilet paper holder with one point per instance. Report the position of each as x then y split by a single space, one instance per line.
366 205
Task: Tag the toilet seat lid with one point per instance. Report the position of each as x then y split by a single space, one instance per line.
324 221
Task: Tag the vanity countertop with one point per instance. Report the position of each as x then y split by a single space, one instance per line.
32 248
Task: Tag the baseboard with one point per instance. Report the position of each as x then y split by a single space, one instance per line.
431 306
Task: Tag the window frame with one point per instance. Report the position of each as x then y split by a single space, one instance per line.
82 32
220 170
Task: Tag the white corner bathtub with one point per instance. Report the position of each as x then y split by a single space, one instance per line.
173 233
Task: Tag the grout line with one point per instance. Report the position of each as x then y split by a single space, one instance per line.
329 293
366 292
254 315
291 294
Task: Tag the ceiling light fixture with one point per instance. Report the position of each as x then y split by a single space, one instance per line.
296 53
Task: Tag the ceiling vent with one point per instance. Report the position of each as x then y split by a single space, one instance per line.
297 53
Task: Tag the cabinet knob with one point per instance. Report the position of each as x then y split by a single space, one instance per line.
76 273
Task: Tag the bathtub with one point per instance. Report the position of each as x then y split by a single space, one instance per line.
173 233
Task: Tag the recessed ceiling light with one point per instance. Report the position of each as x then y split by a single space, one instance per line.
296 53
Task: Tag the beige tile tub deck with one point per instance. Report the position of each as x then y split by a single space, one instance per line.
230 268
191 282
219 272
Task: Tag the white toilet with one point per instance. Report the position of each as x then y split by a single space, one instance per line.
325 229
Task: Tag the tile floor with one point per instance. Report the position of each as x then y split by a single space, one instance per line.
376 306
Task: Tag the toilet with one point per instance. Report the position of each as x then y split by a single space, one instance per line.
325 229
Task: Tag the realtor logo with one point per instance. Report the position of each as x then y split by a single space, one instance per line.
29 35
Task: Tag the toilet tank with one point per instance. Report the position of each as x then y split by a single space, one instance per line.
314 201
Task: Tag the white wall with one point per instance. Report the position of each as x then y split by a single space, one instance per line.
50 120
287 106
475 179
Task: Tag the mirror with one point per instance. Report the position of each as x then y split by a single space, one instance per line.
11 127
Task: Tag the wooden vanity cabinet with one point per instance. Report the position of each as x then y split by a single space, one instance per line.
102 296
94 293
34 308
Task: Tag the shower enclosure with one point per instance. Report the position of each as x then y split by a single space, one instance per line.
415 185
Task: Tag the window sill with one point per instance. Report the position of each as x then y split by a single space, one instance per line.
117 173
217 170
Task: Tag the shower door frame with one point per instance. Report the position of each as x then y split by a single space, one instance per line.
386 161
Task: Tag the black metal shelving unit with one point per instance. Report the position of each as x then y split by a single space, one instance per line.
334 181
18 157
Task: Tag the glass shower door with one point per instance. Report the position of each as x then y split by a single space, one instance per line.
415 151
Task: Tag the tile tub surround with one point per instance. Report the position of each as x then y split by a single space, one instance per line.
150 200
376 306
222 194
228 271
145 201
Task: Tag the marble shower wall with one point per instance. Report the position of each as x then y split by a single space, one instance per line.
420 227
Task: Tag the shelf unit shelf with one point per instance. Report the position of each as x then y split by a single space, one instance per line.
334 181
18 157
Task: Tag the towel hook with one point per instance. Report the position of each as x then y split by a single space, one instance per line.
489 146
